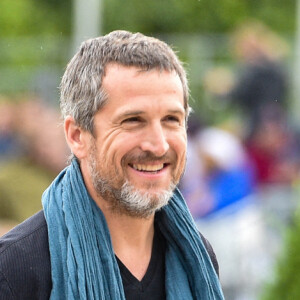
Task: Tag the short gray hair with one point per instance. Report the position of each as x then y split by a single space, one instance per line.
82 95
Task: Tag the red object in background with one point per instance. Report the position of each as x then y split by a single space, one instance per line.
271 149
263 164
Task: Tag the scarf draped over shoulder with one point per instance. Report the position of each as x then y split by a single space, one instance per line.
83 264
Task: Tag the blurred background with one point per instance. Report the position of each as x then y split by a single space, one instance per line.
242 181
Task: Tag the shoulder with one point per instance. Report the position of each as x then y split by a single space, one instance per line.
211 253
25 270
20 238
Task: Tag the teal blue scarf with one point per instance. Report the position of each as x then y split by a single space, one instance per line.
83 264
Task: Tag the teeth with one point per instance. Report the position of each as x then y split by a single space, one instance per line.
148 168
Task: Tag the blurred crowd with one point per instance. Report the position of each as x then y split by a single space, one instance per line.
227 163
31 129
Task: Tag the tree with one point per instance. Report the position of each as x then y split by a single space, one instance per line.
32 17
195 16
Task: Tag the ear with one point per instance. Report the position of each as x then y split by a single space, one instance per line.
77 138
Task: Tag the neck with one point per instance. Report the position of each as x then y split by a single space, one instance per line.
132 240
129 231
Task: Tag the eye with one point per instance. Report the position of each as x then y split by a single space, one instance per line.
132 120
171 118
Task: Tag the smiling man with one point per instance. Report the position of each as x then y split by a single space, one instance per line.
141 132
113 224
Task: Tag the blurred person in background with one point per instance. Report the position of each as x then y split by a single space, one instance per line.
114 225
273 147
261 84
260 92
21 135
218 173
29 159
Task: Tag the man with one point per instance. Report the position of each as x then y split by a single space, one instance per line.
113 225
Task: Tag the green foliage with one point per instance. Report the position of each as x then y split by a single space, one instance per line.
31 17
287 281
21 188
195 16
36 17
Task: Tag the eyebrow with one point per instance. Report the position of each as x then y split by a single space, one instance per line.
139 112
132 113
177 111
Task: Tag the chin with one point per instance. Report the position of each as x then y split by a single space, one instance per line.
143 202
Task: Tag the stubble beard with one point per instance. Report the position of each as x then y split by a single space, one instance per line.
127 199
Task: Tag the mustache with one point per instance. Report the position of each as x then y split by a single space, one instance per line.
147 157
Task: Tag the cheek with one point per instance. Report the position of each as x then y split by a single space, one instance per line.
115 149
181 162
179 145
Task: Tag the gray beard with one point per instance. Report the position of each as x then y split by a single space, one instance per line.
128 200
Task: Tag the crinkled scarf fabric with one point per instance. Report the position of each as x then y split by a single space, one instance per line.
83 264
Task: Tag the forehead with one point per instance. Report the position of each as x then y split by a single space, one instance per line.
132 89
122 80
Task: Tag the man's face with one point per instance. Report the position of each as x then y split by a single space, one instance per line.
138 154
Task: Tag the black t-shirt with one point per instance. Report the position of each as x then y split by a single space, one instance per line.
25 269
152 286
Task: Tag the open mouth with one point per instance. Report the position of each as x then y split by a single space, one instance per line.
148 168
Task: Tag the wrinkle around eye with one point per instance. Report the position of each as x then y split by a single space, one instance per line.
173 121
132 120
132 123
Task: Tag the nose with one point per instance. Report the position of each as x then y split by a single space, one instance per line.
155 141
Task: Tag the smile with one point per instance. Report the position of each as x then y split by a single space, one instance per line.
148 168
